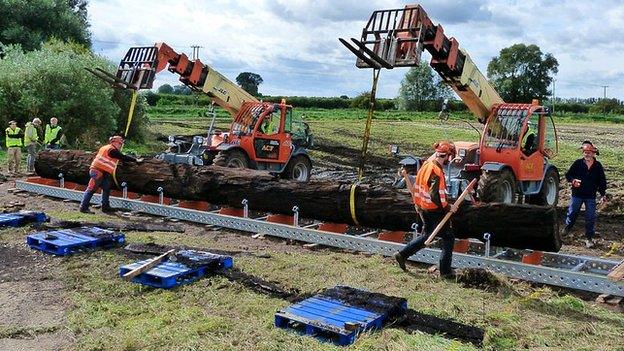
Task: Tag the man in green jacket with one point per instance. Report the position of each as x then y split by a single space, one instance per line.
53 134
13 136
31 139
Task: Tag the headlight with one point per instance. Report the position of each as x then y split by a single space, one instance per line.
171 138
200 140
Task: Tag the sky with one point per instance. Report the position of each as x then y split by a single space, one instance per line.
293 44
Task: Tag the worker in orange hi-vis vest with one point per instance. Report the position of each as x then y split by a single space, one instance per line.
102 170
429 194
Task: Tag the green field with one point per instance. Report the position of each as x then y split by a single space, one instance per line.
105 313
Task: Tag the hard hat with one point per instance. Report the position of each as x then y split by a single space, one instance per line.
116 139
36 121
444 147
12 122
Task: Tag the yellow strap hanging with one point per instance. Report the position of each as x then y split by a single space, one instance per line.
130 115
352 204
131 111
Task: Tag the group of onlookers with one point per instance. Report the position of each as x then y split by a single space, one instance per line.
32 138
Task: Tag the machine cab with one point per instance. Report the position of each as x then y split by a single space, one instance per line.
520 136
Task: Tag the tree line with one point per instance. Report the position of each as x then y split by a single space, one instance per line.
44 47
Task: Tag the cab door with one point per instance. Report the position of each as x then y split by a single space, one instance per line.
270 143
531 158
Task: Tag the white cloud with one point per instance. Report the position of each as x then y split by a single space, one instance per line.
293 44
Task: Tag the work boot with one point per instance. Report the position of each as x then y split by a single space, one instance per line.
108 209
400 260
566 231
86 210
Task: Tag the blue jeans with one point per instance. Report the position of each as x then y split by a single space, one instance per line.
590 214
98 179
431 220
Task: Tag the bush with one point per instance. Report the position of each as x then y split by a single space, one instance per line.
607 106
52 82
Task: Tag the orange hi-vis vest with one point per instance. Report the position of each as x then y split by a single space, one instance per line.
422 197
103 162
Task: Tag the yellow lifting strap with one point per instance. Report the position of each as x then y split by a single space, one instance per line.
130 115
131 111
352 203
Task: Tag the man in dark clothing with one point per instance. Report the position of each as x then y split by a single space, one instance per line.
587 177
429 194
101 172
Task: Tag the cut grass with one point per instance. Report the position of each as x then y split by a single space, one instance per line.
213 313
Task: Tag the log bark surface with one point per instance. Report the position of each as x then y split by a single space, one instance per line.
376 206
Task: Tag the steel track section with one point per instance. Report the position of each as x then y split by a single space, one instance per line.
569 271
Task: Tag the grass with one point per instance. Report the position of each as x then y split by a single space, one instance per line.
106 313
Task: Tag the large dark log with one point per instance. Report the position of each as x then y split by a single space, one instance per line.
376 206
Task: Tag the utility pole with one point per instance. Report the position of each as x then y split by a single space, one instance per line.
553 97
604 87
196 51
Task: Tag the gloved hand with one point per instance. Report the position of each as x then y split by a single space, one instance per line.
139 160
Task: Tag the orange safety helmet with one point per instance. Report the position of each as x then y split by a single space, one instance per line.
444 147
116 140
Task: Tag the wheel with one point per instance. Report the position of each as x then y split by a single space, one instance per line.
231 159
549 193
298 168
498 187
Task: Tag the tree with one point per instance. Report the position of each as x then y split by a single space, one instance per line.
249 82
165 89
33 22
181 89
614 106
420 90
87 108
522 73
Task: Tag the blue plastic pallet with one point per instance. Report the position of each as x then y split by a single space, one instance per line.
18 219
68 241
328 319
170 274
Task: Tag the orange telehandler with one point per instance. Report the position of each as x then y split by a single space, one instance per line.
264 136
511 160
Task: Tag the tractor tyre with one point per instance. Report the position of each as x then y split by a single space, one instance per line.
549 193
298 168
231 159
498 187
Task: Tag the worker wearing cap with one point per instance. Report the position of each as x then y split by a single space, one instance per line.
101 171
53 134
13 139
31 139
587 177
429 194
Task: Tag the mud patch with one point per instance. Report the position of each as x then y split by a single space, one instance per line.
478 278
416 321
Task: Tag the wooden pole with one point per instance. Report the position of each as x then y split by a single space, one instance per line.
147 266
454 209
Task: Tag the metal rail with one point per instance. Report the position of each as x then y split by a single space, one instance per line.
569 271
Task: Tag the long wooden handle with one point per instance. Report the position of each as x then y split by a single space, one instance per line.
440 225
147 266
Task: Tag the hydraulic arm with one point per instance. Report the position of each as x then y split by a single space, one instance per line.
397 38
140 65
